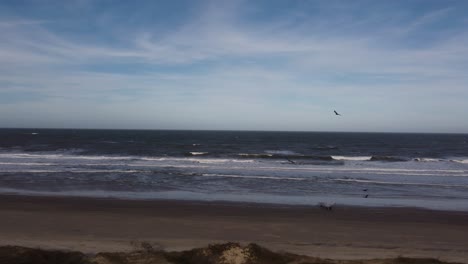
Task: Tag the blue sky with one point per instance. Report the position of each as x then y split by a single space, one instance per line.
387 66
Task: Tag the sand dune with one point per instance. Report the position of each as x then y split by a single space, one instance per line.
229 253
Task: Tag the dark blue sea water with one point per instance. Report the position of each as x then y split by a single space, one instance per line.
423 170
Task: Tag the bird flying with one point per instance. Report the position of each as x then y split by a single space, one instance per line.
336 113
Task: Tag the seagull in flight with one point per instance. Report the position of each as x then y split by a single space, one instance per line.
336 113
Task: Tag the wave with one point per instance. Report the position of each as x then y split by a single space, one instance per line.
427 160
387 158
378 171
390 158
287 157
456 160
247 155
194 160
325 147
354 158
282 152
465 161
196 153
396 159
201 160
188 157
109 142
27 163
402 183
71 171
253 177
63 156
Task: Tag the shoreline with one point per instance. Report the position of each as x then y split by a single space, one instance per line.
454 205
113 200
103 224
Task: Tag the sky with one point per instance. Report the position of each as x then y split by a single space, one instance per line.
386 66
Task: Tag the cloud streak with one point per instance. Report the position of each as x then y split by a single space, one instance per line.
226 61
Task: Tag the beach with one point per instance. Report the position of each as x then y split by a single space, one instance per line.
93 225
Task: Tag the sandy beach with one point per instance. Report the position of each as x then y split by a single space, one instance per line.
93 225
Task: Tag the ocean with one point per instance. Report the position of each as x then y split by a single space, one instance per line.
286 168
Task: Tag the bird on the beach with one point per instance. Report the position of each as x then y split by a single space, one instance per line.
336 113
366 196
326 206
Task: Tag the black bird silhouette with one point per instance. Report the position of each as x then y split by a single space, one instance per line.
365 190
366 196
336 113
326 206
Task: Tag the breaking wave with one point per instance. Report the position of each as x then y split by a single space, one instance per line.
388 158
283 156
465 161
403 183
195 153
355 158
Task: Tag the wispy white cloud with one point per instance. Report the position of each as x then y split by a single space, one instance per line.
293 68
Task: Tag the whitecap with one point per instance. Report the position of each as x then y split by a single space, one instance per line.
428 160
354 158
465 161
194 153
281 152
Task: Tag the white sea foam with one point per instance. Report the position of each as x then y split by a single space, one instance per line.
334 169
328 170
195 160
30 171
428 160
252 177
211 161
62 156
465 161
27 164
402 183
167 166
29 156
281 152
157 159
198 153
254 155
354 158
231 164
70 171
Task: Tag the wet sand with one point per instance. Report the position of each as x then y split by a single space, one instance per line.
92 225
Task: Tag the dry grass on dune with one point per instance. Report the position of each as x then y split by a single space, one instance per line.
229 253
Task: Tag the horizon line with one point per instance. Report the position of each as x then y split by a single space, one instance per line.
232 130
